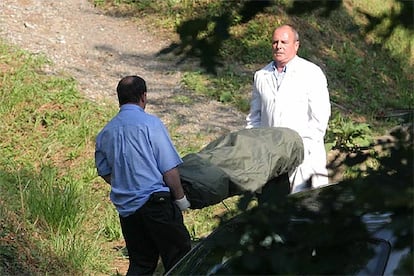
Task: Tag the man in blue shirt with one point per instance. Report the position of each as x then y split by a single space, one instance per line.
136 156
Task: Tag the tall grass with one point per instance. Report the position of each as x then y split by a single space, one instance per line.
46 146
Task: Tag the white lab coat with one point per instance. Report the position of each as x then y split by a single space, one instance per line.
300 103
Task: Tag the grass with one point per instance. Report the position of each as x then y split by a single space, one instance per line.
46 167
55 215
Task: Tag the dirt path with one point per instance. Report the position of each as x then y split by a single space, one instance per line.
97 50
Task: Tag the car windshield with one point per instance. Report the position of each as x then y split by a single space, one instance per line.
278 255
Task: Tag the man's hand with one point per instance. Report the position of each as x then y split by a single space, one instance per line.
183 203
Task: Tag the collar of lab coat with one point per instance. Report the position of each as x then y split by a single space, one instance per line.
288 67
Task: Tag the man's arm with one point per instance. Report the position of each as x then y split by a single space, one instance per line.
319 105
101 164
173 181
253 119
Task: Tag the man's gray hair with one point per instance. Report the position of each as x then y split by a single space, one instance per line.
295 32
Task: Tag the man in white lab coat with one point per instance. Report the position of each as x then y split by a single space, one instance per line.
292 92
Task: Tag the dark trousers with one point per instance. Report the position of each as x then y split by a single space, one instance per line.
156 229
274 190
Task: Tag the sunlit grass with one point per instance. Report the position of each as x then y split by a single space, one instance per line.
200 222
400 43
46 136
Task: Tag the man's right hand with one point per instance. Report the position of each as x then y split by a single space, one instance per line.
183 203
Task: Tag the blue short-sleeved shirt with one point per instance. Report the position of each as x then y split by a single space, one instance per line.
135 148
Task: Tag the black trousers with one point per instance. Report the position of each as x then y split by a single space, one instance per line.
274 190
156 229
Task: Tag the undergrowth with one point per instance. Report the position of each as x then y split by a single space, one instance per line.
46 170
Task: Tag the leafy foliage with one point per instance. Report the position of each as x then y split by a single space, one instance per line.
348 136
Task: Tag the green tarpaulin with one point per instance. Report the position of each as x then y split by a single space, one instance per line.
240 161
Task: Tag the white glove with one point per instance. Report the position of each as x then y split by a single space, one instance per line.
183 203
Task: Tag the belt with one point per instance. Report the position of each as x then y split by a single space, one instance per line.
160 197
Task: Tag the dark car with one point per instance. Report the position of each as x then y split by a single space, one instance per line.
350 228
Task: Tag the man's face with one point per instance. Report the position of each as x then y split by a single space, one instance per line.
284 45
